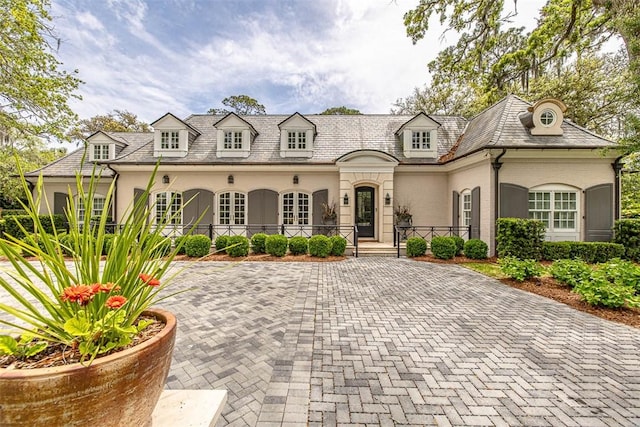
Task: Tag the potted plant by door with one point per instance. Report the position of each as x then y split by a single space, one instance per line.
86 347
403 215
329 214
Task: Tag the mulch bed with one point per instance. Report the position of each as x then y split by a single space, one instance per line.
261 257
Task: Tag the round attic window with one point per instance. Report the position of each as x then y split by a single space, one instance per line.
548 118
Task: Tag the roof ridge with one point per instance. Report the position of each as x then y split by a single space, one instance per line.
497 133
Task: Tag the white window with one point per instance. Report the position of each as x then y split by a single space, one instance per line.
421 140
233 140
547 118
97 207
168 207
466 209
170 140
557 209
295 209
232 208
100 151
297 140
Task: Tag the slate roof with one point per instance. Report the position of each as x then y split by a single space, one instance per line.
498 126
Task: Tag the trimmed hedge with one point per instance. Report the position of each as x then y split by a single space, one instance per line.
180 241
320 246
298 245
591 252
258 242
49 222
520 238
443 247
338 245
237 246
276 245
476 249
221 243
459 244
627 233
416 246
198 245
160 246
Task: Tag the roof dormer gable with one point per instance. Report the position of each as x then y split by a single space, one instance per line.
234 136
172 136
545 117
419 137
297 136
101 146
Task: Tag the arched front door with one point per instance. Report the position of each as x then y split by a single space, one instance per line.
365 211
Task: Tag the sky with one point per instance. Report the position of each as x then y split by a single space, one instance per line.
151 57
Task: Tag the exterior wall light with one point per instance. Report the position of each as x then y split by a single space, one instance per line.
165 179
230 179
387 199
345 199
295 179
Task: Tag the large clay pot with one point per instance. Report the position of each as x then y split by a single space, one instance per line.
121 389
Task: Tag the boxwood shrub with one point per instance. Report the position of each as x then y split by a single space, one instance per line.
338 245
320 246
221 243
520 238
476 249
276 245
160 246
298 245
416 246
180 242
552 251
197 245
443 247
627 233
258 243
13 223
237 246
108 243
459 244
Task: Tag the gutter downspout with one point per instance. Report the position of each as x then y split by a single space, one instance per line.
115 194
496 191
617 168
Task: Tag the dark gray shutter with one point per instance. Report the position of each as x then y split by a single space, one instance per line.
60 203
262 215
139 204
475 213
202 202
319 197
514 201
599 213
455 211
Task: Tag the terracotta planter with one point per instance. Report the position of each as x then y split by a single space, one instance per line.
121 389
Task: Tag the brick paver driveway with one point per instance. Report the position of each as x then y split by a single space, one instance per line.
395 342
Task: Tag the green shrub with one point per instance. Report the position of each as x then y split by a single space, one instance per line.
476 249
221 243
622 272
570 271
320 246
594 252
35 240
443 247
552 251
197 245
520 238
627 233
276 245
338 245
66 244
237 246
298 245
459 244
14 225
108 243
258 243
599 291
416 246
179 242
158 245
520 270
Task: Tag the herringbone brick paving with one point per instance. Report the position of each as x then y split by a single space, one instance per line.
395 342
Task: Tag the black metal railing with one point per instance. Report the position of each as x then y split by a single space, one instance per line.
428 232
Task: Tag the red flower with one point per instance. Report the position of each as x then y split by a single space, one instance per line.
109 287
115 302
81 294
149 280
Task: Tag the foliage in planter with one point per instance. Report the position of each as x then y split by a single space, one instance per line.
198 245
320 246
20 225
402 213
459 244
179 243
520 238
92 303
329 212
221 243
416 246
627 233
237 246
298 245
338 245
519 269
443 247
258 243
276 245
476 249
599 291
570 271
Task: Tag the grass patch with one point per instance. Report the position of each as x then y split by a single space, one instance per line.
487 268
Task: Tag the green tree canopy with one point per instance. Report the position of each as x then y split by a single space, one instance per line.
340 111
239 104
34 91
115 121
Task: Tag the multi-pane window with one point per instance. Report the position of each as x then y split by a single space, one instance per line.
170 140
168 207
466 209
547 118
297 140
232 208
233 140
421 140
101 152
558 210
295 209
97 207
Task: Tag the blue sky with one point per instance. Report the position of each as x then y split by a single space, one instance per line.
184 56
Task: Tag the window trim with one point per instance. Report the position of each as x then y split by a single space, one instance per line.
172 197
99 148
546 114
465 214
170 139
421 140
79 202
233 205
551 230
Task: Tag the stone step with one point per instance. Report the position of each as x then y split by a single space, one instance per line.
377 251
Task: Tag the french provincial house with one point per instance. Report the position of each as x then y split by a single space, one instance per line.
514 159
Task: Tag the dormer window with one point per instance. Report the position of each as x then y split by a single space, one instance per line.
234 135
421 140
101 152
170 140
172 136
544 117
419 137
547 118
297 134
297 140
232 140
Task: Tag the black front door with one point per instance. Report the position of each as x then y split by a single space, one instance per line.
365 211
